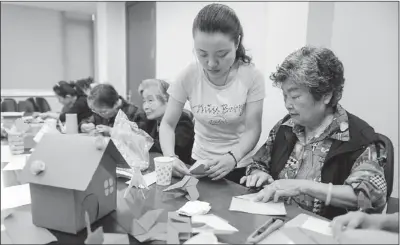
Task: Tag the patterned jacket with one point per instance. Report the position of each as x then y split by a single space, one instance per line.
361 167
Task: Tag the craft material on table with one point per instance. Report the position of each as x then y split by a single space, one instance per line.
186 185
15 196
198 168
317 225
137 180
211 223
21 230
203 238
178 228
265 230
99 237
248 206
133 143
147 228
17 162
196 207
149 179
5 153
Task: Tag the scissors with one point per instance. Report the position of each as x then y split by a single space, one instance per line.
266 229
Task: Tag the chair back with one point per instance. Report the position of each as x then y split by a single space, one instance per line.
9 104
43 105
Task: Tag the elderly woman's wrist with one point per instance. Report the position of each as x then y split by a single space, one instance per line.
305 186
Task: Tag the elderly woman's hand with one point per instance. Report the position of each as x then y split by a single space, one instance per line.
257 178
281 188
353 220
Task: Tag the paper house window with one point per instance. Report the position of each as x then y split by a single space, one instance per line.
108 186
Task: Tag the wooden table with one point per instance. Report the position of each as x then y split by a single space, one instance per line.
217 193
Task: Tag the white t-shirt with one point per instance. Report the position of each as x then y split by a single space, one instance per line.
219 111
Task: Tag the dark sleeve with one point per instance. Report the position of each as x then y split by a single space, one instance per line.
184 138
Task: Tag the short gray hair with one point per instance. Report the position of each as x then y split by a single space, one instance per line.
316 68
162 86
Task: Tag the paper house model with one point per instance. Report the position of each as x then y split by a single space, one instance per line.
77 177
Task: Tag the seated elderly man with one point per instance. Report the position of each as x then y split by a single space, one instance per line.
325 159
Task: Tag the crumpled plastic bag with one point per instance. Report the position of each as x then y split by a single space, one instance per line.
133 143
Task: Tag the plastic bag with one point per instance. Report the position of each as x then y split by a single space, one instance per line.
133 143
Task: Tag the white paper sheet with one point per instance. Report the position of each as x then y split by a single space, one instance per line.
213 224
203 238
149 178
5 153
247 206
17 162
15 196
249 197
317 225
192 208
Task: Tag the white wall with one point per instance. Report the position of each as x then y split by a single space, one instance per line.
365 38
41 47
271 31
31 48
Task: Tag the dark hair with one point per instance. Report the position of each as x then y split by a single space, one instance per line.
316 68
221 18
84 83
104 95
64 88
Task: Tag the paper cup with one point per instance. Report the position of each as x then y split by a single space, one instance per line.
71 123
163 166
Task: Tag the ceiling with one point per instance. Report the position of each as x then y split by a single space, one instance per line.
83 7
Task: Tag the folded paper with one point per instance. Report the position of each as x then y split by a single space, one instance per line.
187 184
211 223
192 208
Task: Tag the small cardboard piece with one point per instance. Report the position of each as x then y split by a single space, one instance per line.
187 184
59 198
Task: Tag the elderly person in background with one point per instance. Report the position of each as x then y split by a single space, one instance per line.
325 159
155 99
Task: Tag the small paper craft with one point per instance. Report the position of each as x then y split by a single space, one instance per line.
187 184
149 179
145 228
17 162
15 196
177 227
211 223
48 127
199 168
247 206
192 208
137 180
20 222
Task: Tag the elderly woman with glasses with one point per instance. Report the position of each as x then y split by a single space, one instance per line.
105 103
324 158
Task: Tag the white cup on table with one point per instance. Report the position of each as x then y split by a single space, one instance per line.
163 167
